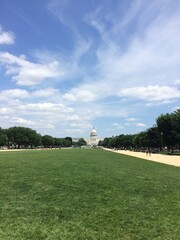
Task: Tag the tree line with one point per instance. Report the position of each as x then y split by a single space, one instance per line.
22 137
165 133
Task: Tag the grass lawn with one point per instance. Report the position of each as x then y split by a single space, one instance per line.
175 153
87 195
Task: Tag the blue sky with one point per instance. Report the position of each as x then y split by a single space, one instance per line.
66 65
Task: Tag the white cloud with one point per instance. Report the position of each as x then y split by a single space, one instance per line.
6 37
134 122
58 8
13 93
80 125
46 107
150 93
159 103
19 94
80 94
22 121
4 110
145 58
26 73
73 132
131 119
177 82
44 93
41 124
69 97
175 108
117 125
140 124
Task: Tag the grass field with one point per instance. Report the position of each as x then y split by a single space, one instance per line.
87 195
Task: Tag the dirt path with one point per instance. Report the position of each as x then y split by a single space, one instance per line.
166 159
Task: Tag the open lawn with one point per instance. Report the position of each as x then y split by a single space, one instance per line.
87 195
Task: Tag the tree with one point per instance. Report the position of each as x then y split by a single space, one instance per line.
153 138
57 142
68 142
81 142
176 126
140 140
165 127
17 136
23 137
104 143
34 138
47 141
3 137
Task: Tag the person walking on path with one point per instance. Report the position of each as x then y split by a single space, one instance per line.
148 152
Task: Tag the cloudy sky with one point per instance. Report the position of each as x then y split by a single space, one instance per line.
66 65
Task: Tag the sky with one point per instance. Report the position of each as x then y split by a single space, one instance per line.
69 65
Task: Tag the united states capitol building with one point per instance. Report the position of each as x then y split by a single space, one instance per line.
93 140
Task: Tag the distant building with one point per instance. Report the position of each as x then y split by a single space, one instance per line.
93 140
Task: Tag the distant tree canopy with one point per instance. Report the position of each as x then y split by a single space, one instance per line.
176 124
3 137
21 137
165 133
80 142
47 141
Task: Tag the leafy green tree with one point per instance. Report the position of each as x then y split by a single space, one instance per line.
111 142
119 141
153 138
81 142
3 137
34 138
104 143
68 142
127 141
165 127
176 126
60 142
17 136
140 140
47 141
57 142
23 137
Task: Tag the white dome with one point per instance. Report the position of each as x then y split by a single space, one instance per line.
93 133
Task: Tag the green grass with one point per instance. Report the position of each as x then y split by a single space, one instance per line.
174 153
87 195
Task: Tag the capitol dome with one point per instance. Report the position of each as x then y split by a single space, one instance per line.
93 133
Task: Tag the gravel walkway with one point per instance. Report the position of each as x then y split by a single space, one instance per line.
166 159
